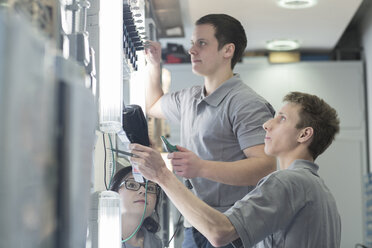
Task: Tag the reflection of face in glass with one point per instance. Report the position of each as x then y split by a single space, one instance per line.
131 184
132 194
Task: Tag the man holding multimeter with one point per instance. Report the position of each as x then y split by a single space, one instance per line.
222 150
289 208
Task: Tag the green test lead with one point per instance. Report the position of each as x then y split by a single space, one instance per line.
168 146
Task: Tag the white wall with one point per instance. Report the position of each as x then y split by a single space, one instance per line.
341 85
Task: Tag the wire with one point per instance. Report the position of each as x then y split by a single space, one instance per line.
143 217
175 231
113 162
104 161
188 184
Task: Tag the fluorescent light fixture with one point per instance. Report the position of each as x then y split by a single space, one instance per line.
282 45
297 4
109 220
110 65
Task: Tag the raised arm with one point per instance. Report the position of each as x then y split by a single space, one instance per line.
154 90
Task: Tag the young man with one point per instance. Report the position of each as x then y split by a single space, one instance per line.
220 121
289 208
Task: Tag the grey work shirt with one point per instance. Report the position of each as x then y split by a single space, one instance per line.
218 127
151 240
289 208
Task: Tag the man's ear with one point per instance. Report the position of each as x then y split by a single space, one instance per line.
229 50
306 134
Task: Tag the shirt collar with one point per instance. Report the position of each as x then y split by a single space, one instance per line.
305 164
219 94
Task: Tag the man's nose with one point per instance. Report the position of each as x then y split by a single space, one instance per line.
192 50
266 125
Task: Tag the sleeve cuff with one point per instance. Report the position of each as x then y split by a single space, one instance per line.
244 240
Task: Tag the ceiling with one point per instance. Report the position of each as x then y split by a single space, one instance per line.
317 29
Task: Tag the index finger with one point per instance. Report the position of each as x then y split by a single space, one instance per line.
138 147
176 155
150 43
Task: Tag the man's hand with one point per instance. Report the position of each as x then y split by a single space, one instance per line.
153 52
210 222
149 161
186 163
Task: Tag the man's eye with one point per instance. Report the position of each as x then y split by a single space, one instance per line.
282 118
202 43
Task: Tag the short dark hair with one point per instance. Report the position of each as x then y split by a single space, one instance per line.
316 113
227 30
149 223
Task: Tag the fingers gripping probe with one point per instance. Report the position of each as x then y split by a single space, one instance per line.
123 152
171 148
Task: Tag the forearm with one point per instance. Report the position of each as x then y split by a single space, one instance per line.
153 88
214 225
240 173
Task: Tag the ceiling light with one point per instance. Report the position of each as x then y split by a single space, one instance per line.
297 4
283 57
282 45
